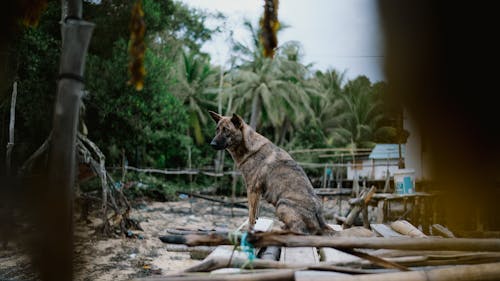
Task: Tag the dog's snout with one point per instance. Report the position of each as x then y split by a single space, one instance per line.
213 143
217 144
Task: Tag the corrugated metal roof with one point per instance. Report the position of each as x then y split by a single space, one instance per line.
387 151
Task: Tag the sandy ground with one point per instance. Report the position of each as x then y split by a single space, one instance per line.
123 258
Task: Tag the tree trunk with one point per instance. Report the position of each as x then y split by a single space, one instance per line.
284 130
57 249
256 104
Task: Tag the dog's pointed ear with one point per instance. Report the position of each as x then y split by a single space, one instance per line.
237 121
215 116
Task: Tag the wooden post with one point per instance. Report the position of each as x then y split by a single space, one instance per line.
233 189
10 144
57 216
359 203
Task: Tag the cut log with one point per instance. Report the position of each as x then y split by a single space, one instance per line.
406 228
383 230
442 231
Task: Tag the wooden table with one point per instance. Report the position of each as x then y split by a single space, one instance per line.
417 208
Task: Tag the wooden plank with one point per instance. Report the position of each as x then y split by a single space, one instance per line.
383 230
307 275
299 255
263 224
269 252
333 255
336 256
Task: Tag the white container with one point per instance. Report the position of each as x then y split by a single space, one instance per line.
404 181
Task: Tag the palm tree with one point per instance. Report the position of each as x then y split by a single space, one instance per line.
194 77
275 93
328 106
363 115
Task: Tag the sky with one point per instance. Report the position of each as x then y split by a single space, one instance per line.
335 34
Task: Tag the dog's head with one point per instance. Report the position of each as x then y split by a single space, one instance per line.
229 131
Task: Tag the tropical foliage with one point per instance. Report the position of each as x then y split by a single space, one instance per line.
166 124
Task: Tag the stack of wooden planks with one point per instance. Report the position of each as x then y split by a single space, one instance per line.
393 251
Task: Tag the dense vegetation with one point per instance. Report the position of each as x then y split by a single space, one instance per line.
166 125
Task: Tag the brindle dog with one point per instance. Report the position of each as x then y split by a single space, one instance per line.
270 171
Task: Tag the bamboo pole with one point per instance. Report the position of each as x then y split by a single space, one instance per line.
10 144
482 272
275 275
281 238
57 218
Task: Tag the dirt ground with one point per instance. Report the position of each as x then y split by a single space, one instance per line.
123 258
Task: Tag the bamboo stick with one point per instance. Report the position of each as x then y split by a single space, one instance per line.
277 275
281 238
482 272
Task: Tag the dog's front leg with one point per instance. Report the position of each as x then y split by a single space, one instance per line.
253 205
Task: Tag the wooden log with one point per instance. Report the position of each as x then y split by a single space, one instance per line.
384 231
275 275
442 231
227 256
365 198
406 228
283 238
403 243
196 252
478 234
483 272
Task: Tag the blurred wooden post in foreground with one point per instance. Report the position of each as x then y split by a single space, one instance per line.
57 209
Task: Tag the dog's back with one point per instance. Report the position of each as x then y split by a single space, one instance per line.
285 185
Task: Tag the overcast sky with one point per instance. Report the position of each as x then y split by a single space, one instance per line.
335 34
